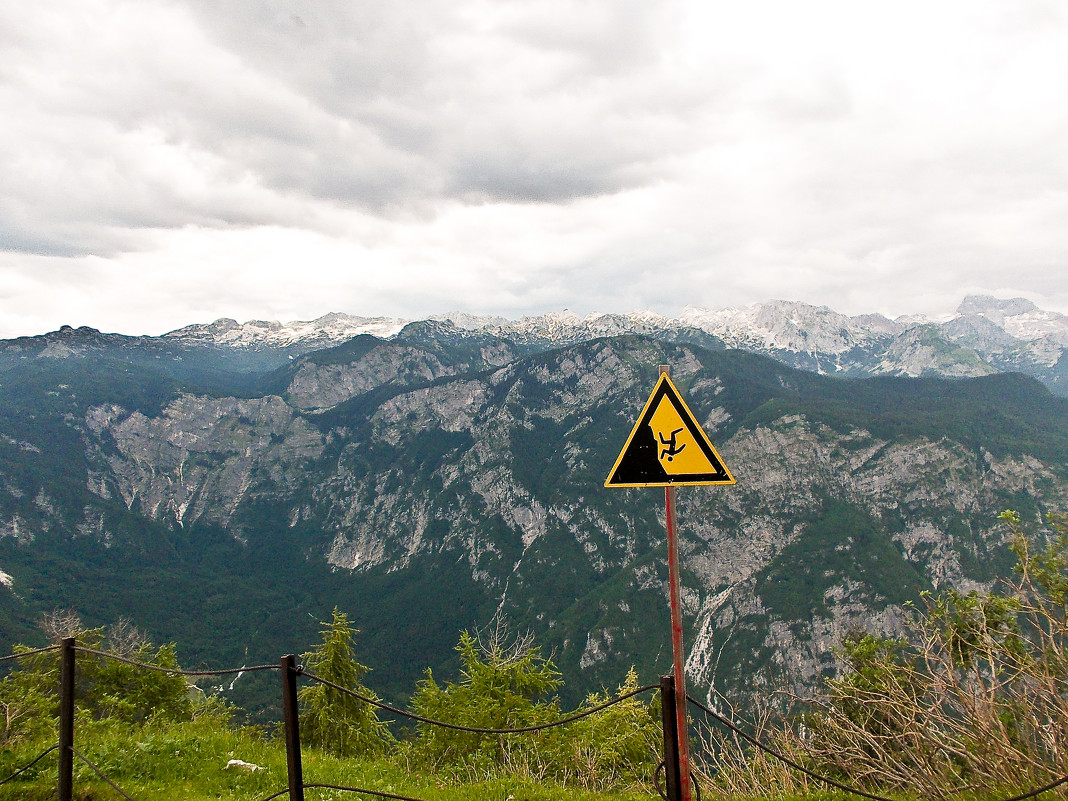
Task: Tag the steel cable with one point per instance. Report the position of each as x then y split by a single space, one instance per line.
175 671
26 767
99 773
345 789
279 794
21 654
476 729
378 793
781 757
1033 793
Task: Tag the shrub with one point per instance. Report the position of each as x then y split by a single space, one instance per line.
503 682
104 688
619 745
976 698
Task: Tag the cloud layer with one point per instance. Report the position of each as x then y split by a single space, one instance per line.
171 162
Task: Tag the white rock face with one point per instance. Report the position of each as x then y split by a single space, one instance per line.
200 457
329 329
790 326
923 351
787 468
986 335
1019 317
18 529
316 387
435 470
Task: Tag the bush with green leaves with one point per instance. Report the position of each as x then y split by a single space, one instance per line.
616 746
104 688
505 684
333 720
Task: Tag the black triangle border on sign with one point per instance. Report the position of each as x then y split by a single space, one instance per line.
639 466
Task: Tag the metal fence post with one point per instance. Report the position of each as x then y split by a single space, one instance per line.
65 788
672 772
291 715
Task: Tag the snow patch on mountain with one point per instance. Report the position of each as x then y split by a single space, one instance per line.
330 328
775 325
1018 317
986 335
791 326
469 322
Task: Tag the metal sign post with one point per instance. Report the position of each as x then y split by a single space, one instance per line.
678 653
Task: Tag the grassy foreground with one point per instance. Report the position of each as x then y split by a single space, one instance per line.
187 762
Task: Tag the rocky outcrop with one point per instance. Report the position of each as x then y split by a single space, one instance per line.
200 457
316 387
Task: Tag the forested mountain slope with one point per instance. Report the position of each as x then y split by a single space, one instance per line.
424 482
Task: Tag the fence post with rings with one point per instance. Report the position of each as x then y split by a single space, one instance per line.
291 717
65 782
672 772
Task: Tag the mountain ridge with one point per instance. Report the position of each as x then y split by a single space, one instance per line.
985 335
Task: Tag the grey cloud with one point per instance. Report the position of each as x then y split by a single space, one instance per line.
436 118
381 106
738 159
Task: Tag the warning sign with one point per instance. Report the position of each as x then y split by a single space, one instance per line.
667 447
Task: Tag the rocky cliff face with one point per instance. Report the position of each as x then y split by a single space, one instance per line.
200 457
935 492
387 460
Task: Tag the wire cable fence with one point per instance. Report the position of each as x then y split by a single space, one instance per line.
476 729
100 773
345 789
29 765
21 654
174 671
291 671
772 752
68 649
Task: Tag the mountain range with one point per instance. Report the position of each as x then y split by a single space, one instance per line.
985 336
225 485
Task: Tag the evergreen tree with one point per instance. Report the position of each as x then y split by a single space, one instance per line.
331 719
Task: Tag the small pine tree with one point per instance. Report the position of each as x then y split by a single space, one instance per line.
331 719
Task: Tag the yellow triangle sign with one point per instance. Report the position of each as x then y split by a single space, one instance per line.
667 447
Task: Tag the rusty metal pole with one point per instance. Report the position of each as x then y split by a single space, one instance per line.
671 738
65 784
678 653
291 717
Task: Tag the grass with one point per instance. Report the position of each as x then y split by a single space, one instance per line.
187 762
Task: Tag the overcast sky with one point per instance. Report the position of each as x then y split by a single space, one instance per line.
164 163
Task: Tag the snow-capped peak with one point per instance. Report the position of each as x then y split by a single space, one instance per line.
330 328
790 326
1019 317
